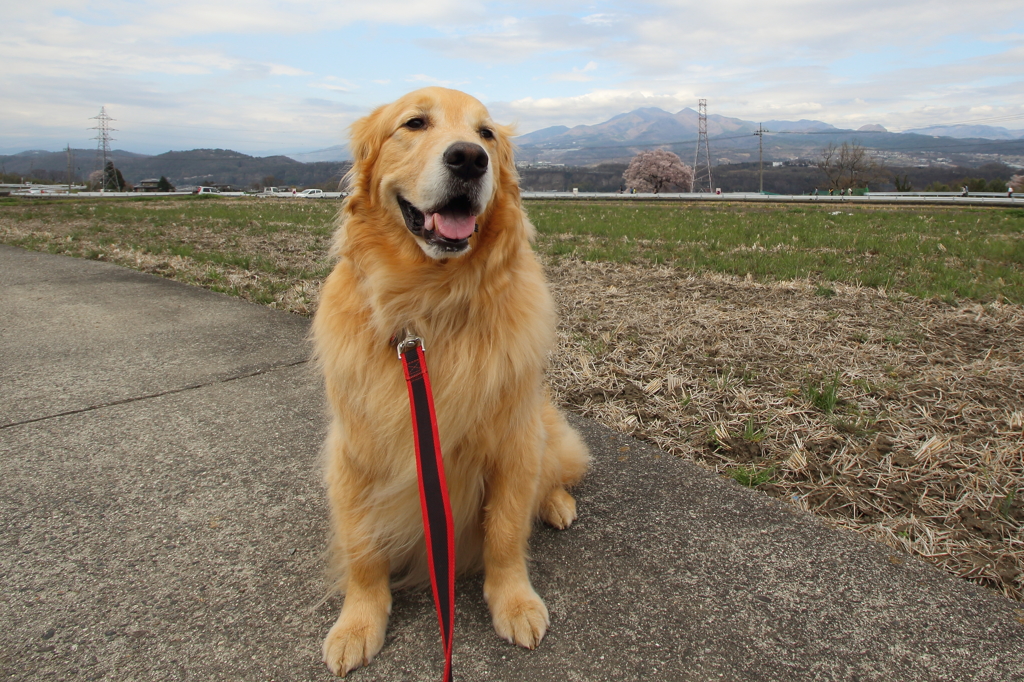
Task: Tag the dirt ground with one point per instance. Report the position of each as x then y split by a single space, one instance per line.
896 417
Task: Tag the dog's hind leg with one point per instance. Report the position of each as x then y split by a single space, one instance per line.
558 508
517 612
565 462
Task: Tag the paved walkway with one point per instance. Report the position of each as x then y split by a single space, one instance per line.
162 519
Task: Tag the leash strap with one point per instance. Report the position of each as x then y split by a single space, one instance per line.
436 506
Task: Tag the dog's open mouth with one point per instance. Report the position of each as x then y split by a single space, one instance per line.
447 228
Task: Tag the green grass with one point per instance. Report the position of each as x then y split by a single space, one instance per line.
151 215
1006 504
949 253
824 292
277 243
163 226
752 432
824 395
750 476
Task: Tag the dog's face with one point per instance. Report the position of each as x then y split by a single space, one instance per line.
433 160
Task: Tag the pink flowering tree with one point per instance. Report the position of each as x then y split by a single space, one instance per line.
656 170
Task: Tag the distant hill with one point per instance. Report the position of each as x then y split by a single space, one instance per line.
542 135
45 165
615 141
195 167
338 152
621 136
968 131
651 124
34 154
647 125
733 140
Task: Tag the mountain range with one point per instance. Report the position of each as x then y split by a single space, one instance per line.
338 152
651 125
969 131
194 167
731 140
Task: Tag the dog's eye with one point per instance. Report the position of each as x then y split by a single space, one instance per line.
487 133
415 123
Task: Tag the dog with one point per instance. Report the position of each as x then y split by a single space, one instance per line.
433 238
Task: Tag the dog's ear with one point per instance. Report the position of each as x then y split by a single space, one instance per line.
366 137
505 154
368 134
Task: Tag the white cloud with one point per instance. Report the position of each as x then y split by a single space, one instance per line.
431 80
599 19
282 70
334 83
256 66
593 107
578 75
274 17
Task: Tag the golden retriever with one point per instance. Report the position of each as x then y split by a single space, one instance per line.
433 238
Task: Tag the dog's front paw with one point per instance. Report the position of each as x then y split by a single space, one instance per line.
520 617
353 642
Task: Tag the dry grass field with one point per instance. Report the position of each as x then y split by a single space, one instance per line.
866 366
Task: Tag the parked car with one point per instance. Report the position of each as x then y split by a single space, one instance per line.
312 194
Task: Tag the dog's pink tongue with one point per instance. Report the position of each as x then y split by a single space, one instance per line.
454 227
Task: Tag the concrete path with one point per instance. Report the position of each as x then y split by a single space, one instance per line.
162 519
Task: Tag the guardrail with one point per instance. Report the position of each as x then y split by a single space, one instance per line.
905 198
57 194
986 199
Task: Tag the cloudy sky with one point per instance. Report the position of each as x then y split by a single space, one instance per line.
289 76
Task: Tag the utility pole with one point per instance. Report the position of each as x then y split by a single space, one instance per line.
103 143
760 155
69 167
702 170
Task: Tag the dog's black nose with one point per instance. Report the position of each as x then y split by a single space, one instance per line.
466 160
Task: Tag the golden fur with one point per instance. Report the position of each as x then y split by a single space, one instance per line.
487 320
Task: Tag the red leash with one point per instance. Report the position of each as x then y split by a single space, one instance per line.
438 527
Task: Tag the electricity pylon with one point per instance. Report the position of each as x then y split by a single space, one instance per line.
702 168
103 145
